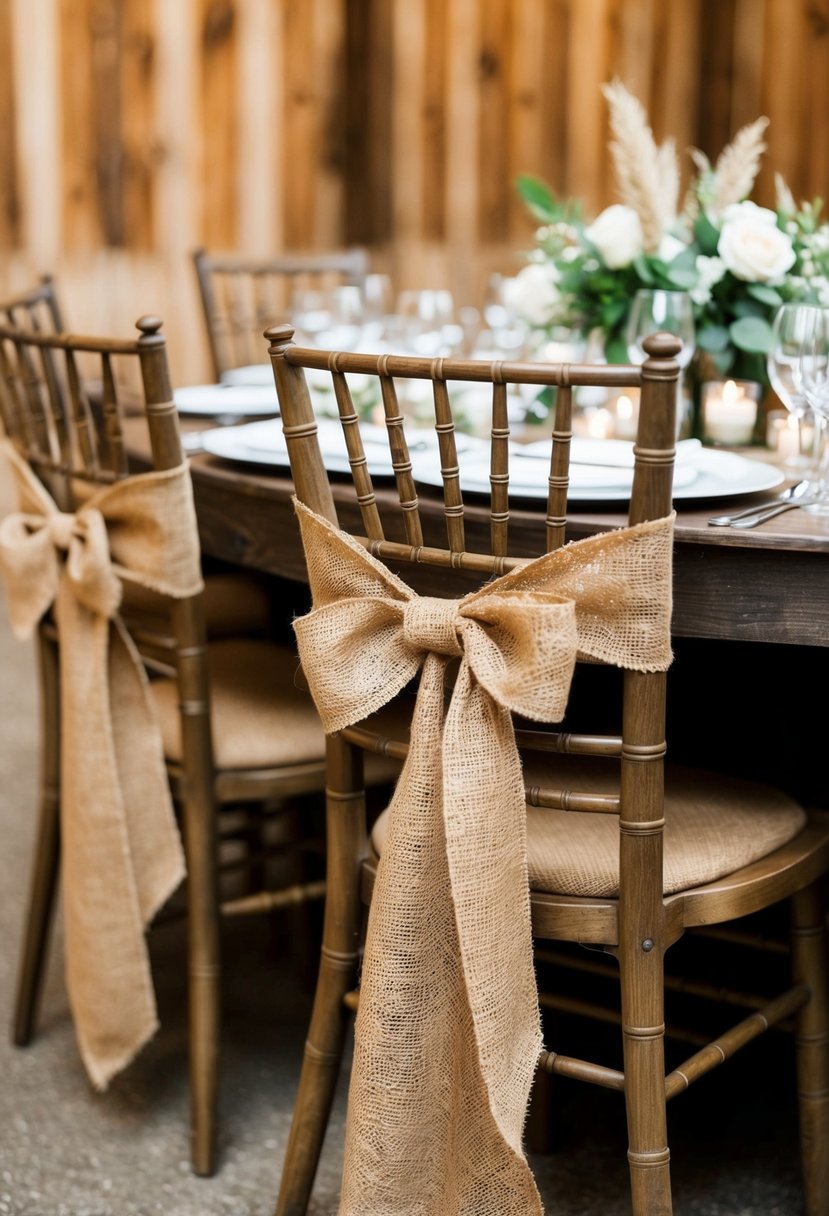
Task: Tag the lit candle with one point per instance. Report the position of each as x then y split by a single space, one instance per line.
730 412
599 423
788 439
627 417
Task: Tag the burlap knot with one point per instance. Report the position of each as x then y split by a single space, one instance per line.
448 1030
120 851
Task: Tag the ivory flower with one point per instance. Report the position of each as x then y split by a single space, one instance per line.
752 246
534 295
617 235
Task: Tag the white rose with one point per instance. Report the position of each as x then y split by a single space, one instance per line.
748 212
533 294
617 234
752 248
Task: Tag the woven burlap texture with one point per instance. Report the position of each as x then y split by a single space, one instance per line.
121 855
448 1031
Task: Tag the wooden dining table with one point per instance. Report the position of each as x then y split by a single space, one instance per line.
766 584
750 613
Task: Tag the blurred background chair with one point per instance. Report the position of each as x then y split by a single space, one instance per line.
238 734
625 853
241 296
37 308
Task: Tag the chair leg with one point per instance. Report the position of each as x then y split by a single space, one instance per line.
809 962
644 1056
47 855
345 814
204 976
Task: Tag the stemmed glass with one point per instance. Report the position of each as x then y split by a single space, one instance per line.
790 327
656 310
813 377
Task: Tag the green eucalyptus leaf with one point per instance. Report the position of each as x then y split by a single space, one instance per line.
713 338
706 235
538 197
749 308
765 294
679 277
752 334
644 270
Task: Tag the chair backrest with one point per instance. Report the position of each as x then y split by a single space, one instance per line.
441 539
240 295
74 438
36 309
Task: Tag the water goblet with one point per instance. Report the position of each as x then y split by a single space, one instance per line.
789 328
656 310
812 375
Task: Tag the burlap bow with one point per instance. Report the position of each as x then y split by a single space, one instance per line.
448 1031
121 853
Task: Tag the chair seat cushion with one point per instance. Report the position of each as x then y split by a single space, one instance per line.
714 825
261 715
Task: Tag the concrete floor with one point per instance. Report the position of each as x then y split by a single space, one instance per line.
68 1151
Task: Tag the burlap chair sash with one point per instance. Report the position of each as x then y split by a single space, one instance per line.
121 853
448 1030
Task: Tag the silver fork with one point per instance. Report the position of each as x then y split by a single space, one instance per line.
788 498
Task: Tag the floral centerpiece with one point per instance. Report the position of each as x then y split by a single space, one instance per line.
737 261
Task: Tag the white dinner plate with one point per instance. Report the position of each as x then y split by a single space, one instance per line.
700 472
264 443
251 373
227 400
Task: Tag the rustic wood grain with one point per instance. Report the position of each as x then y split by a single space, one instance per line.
137 129
10 233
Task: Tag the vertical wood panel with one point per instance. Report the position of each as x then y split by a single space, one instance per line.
464 150
258 180
10 233
679 83
38 105
137 125
219 121
368 136
785 97
527 131
80 135
814 171
409 45
314 116
494 70
327 67
716 72
436 172
587 173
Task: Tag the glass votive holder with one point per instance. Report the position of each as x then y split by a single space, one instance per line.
729 411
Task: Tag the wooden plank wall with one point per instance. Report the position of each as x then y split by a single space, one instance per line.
133 130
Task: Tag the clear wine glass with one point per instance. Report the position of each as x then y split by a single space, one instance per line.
790 326
655 310
812 376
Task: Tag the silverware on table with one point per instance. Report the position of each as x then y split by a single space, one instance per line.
794 496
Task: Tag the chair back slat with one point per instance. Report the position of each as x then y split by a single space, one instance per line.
556 522
499 471
372 523
449 469
401 462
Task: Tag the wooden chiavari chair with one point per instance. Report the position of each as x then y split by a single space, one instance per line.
241 295
236 730
681 848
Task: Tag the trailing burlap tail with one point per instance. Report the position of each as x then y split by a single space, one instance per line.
448 1030
120 849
